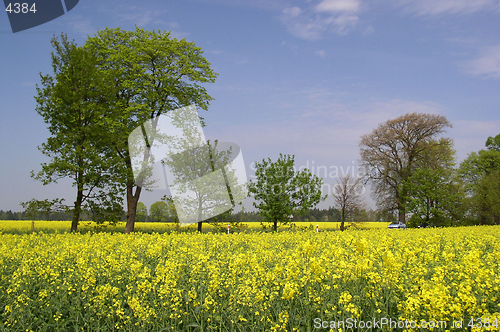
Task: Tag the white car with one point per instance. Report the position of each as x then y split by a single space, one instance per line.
397 225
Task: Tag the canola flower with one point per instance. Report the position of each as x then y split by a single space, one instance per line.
248 281
24 226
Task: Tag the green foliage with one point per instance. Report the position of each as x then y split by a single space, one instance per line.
153 73
433 192
74 102
142 212
432 196
282 192
205 196
493 143
392 152
172 212
481 174
159 211
47 207
384 216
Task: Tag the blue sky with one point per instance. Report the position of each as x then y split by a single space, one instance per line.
296 77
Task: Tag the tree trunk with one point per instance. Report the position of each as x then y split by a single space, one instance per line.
342 220
428 211
78 204
77 210
200 212
401 214
132 200
275 226
401 199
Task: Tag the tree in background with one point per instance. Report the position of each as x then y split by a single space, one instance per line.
481 175
172 212
382 215
153 74
142 212
390 153
281 191
493 143
204 195
433 193
74 102
347 198
8 215
159 211
47 207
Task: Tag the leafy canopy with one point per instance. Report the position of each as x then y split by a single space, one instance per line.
391 153
280 191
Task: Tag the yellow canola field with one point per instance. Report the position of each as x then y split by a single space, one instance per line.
24 226
286 281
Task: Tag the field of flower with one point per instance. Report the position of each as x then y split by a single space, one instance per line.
24 226
255 281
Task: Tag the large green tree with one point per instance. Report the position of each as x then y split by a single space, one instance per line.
391 152
433 193
481 173
281 192
142 212
159 211
73 101
153 73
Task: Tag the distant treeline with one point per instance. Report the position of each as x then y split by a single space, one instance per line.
9 215
319 215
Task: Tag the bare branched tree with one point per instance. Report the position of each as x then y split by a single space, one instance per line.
391 153
347 198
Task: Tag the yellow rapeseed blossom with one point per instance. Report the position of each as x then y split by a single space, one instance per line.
249 281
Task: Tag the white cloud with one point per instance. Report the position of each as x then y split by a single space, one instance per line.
292 12
334 6
369 30
303 26
438 7
260 4
334 16
291 46
143 17
324 130
139 15
487 64
321 54
344 23
235 58
396 107
80 24
173 27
